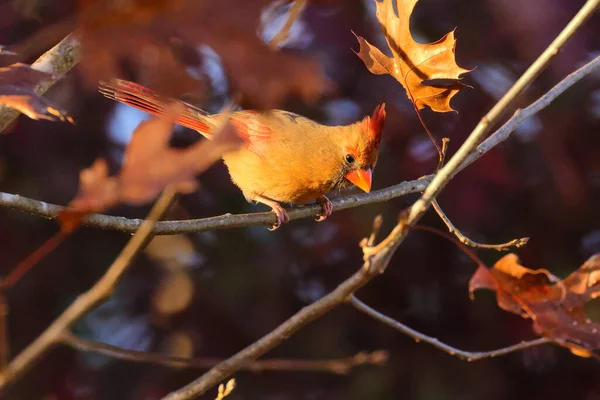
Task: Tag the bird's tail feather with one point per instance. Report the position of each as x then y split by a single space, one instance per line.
151 102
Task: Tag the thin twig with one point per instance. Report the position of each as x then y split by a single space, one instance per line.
419 337
465 240
339 366
444 175
443 152
524 114
90 299
294 14
32 259
58 60
377 262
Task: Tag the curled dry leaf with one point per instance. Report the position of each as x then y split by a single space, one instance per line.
428 72
17 90
556 307
149 166
158 39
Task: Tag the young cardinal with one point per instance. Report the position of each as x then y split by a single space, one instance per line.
286 157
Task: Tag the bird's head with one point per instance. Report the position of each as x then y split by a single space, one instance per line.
361 147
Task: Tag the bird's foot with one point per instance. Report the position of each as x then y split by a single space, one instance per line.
327 208
280 213
282 216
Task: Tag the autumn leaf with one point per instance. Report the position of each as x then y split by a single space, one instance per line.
420 68
148 167
17 90
556 307
158 41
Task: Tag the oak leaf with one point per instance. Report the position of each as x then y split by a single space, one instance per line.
555 306
428 72
149 166
17 90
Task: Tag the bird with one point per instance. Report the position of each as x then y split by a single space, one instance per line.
285 157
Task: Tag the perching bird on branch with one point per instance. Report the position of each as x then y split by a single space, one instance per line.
286 157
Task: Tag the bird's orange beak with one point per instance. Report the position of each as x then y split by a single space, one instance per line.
360 178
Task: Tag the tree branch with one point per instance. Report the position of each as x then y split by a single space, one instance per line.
340 366
90 299
376 258
465 240
444 175
58 60
51 211
419 337
294 14
122 224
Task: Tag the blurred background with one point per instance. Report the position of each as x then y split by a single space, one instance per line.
211 294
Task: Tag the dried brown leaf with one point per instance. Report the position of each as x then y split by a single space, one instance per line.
17 90
149 166
556 307
157 38
414 63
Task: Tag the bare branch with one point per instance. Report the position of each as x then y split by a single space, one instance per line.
122 224
338 366
465 240
101 221
444 175
58 60
90 299
293 15
377 261
419 337
521 116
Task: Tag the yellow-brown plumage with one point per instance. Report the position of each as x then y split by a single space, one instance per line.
286 157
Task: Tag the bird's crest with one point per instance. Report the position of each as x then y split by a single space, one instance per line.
374 124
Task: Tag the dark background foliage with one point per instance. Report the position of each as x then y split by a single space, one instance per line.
543 183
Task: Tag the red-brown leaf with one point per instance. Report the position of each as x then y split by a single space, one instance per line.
17 90
556 307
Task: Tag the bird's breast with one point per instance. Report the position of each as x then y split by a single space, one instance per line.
282 174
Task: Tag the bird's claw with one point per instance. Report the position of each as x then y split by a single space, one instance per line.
281 214
327 208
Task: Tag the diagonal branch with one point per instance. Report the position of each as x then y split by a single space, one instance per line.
419 337
376 261
444 175
294 14
58 60
51 211
90 299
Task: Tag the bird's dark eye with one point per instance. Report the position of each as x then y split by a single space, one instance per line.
349 158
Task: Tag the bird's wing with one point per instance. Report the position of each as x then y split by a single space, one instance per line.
151 102
252 126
